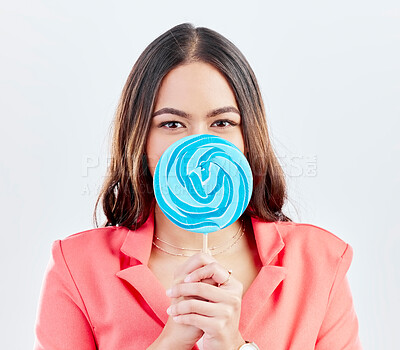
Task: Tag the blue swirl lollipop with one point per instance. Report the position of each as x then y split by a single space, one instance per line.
203 183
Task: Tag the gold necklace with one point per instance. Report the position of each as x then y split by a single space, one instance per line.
211 249
197 249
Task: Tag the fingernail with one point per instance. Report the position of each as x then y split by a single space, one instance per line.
168 292
187 278
169 311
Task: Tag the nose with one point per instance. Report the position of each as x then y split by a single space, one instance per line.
199 128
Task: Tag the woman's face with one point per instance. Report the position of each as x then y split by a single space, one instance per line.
193 99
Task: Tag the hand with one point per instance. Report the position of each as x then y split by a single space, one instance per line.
178 335
212 309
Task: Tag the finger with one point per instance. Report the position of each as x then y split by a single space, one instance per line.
209 325
209 281
202 308
192 263
213 270
202 290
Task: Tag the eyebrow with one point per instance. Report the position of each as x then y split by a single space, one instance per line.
213 113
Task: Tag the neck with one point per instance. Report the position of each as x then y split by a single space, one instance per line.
177 236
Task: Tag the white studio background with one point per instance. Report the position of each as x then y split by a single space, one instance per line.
329 74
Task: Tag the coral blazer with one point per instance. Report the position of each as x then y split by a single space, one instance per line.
99 293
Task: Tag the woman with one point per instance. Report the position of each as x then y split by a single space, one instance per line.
141 282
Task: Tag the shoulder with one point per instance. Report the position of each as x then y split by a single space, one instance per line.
92 245
314 244
97 238
83 265
312 237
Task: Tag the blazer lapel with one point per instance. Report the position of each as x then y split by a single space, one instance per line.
137 246
269 244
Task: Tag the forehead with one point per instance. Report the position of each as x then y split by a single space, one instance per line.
195 81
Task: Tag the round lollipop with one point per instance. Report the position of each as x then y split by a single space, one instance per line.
203 183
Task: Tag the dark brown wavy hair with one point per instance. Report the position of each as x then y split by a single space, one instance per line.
127 193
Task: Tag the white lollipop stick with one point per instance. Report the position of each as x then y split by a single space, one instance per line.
205 244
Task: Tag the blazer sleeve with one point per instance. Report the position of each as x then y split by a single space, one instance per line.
339 330
62 321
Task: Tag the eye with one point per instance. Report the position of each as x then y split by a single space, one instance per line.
230 122
169 123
